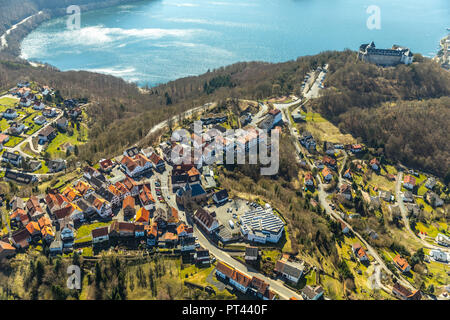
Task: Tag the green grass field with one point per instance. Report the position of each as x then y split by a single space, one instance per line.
54 147
13 141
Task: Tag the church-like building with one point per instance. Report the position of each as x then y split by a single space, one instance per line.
385 57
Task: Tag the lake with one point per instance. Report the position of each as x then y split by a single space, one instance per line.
155 41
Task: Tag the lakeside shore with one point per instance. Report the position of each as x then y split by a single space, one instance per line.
11 39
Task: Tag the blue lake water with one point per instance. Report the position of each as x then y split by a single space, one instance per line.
156 41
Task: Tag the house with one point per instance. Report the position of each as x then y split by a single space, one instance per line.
240 281
409 182
142 216
39 120
442 240
309 179
402 264
38 105
74 113
157 162
131 185
345 229
3 138
202 256
408 196
184 231
160 217
191 195
329 162
172 217
56 247
6 250
374 164
131 152
100 235
56 165
121 229
106 165
33 230
224 271
168 239
19 217
329 148
48 234
251 254
307 140
310 293
385 195
220 197
12 158
356 148
348 174
152 233
10 114
146 198
207 220
21 238
90 172
433 199
24 102
16 203
46 135
49 112
405 294
128 207
19 177
83 188
260 289
67 236
359 252
346 191
16 128
289 270
439 255
276 116
327 175
139 230
34 208
431 183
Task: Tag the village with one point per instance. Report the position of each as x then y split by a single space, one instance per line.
142 200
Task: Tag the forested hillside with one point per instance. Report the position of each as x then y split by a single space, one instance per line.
404 110
379 105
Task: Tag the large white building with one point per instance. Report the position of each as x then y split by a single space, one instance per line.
261 225
385 57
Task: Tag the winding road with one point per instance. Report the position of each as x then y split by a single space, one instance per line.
404 213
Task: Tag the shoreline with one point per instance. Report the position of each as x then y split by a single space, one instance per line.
19 31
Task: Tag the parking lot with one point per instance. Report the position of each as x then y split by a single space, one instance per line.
230 211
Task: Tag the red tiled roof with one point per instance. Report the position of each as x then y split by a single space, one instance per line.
410 180
128 202
401 262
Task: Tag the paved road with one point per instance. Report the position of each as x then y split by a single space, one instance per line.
324 203
314 91
276 285
3 42
404 212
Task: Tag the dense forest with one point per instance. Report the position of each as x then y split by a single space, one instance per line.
404 110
